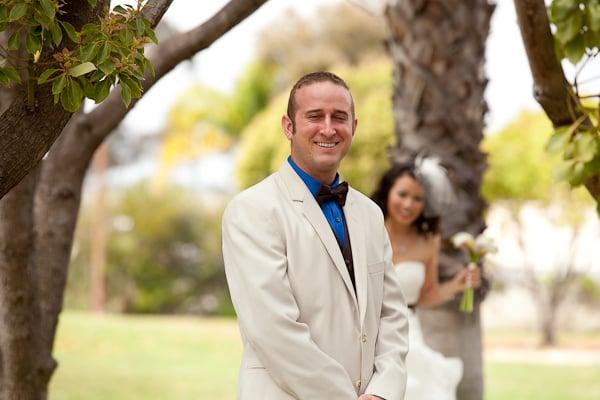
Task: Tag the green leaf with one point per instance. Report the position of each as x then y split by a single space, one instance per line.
88 88
593 16
561 9
13 41
44 76
591 39
559 49
70 31
150 67
56 34
11 74
17 12
563 171
151 35
569 28
33 42
71 97
48 8
558 140
140 27
585 147
92 2
41 18
575 49
119 10
3 14
126 95
3 79
102 90
134 86
89 52
82 69
59 84
104 53
107 67
578 174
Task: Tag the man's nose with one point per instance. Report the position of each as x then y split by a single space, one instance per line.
328 128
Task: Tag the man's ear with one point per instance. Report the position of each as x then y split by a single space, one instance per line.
288 127
355 124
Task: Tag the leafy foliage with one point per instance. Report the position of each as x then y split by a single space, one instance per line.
78 64
166 260
577 36
519 169
204 121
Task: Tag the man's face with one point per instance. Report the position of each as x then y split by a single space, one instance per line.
324 127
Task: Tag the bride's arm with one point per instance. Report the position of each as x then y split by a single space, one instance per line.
433 292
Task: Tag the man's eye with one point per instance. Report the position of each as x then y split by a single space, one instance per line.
341 117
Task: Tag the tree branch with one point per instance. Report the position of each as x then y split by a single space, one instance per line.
551 89
26 134
107 116
154 10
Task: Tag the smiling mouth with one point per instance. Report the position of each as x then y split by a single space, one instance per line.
326 145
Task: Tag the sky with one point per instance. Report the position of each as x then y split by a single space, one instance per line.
508 92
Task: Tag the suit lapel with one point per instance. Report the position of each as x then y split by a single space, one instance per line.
358 242
313 213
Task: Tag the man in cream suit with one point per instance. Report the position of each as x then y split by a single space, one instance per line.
308 264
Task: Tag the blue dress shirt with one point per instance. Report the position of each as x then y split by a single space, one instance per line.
331 209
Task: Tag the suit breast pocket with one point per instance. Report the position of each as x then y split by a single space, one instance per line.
376 273
376 268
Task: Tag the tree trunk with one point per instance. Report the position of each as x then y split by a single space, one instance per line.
438 50
548 322
24 373
37 223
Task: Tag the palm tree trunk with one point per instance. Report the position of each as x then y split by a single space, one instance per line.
438 50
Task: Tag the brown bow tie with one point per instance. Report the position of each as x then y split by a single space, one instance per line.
338 194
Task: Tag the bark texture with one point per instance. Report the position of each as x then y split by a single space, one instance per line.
24 373
54 205
27 133
550 87
438 50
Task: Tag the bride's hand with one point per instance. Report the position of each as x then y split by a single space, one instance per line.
465 275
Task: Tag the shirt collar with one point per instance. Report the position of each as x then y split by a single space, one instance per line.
312 184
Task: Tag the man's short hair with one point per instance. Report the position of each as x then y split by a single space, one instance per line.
309 79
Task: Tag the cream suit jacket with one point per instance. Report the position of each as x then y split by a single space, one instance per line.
306 333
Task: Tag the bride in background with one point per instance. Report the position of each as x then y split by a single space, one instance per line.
411 196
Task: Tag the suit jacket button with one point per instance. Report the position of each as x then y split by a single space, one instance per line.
363 338
357 384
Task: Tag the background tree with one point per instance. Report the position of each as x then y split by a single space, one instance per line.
519 180
438 53
164 261
44 207
576 38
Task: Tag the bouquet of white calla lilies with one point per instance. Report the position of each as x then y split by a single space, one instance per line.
477 248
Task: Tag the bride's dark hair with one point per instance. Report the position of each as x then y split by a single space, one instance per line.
425 226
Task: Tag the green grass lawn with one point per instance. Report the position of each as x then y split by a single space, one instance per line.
179 358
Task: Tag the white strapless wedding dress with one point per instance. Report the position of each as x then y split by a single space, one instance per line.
431 376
